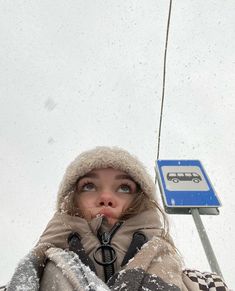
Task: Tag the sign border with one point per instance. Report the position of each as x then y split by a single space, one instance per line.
165 192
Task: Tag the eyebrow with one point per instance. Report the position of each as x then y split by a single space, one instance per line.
120 177
90 175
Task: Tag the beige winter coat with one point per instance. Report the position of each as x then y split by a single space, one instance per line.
157 266
157 257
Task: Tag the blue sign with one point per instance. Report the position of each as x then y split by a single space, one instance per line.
184 184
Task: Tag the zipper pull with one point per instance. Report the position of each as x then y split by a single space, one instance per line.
105 238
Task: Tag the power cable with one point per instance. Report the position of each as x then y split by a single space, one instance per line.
163 81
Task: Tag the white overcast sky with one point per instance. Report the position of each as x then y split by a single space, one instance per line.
76 74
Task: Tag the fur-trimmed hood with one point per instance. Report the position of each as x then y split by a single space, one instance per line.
105 157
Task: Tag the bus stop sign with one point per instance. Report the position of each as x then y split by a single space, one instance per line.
185 185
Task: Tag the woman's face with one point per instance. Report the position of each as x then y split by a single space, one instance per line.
106 192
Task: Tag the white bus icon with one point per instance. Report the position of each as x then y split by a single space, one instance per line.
176 177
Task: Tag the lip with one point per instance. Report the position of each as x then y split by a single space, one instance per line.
106 212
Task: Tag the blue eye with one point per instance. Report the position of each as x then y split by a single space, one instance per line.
124 188
88 187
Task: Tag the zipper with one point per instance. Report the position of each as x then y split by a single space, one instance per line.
107 236
109 255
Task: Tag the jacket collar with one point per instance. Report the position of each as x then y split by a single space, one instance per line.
149 219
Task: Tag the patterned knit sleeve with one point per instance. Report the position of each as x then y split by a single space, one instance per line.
203 281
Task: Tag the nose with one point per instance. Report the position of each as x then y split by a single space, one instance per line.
106 198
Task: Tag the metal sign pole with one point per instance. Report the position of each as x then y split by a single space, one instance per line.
205 242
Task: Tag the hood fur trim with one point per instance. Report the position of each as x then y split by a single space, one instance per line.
105 157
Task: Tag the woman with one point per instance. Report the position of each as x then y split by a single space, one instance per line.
108 233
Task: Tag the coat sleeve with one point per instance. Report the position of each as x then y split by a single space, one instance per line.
65 271
27 274
29 270
138 279
159 259
158 266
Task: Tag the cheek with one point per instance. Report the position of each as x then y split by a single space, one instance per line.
86 206
127 202
86 201
83 201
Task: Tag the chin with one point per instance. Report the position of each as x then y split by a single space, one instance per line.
111 220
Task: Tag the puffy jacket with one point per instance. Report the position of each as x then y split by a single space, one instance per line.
156 266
